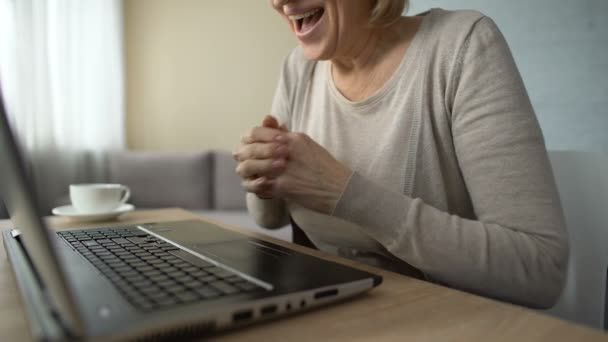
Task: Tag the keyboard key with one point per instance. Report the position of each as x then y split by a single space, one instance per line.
129 257
166 302
90 243
176 274
110 258
193 284
175 289
158 278
183 279
168 269
123 268
121 241
207 292
137 263
208 278
199 274
167 283
157 296
187 296
118 264
233 279
151 290
246 286
219 272
151 273
191 269
224 287
128 273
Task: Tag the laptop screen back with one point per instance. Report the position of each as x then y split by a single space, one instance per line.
17 193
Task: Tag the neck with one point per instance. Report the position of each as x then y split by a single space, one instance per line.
364 54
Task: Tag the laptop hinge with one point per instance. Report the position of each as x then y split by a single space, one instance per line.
44 322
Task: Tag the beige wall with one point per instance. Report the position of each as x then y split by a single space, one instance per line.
200 72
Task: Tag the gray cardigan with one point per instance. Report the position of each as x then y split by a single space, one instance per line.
469 197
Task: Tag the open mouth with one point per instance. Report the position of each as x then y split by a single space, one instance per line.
306 21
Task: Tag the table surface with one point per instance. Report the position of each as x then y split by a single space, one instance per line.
400 309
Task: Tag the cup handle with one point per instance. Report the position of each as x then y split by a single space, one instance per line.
126 195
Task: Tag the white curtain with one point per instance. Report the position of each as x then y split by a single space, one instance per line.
61 73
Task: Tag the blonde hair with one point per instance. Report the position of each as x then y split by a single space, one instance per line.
386 12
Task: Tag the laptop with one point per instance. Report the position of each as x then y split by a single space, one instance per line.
156 280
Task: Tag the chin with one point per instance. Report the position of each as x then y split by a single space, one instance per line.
315 52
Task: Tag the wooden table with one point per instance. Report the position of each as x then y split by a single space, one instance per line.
401 309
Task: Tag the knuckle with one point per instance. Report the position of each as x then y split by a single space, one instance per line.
268 150
245 154
299 137
238 154
241 168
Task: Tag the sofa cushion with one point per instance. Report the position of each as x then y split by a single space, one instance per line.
228 194
160 179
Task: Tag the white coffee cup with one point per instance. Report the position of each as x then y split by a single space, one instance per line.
98 198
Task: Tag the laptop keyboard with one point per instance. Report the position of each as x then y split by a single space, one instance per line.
149 272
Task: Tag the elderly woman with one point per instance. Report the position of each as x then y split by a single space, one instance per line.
409 142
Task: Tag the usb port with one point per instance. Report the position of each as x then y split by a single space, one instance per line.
242 316
326 293
268 310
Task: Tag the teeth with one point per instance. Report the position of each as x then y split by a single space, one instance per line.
304 15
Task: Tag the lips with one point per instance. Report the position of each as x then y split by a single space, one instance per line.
306 21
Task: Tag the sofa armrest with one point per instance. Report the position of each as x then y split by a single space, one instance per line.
228 194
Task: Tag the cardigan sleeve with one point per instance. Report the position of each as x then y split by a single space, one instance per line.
516 248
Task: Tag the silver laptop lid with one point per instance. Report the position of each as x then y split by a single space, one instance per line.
17 193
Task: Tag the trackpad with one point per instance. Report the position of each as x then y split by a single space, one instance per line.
247 253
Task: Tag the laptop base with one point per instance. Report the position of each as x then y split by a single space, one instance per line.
43 322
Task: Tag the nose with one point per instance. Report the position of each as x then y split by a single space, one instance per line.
280 3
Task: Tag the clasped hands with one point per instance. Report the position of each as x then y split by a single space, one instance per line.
276 163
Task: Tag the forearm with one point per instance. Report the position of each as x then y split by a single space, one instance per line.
519 264
268 213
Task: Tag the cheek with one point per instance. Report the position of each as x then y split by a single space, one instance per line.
334 31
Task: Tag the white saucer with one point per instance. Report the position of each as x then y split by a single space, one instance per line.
74 215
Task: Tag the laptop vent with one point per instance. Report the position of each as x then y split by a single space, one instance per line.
180 333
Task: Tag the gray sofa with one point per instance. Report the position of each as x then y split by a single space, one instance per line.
202 182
